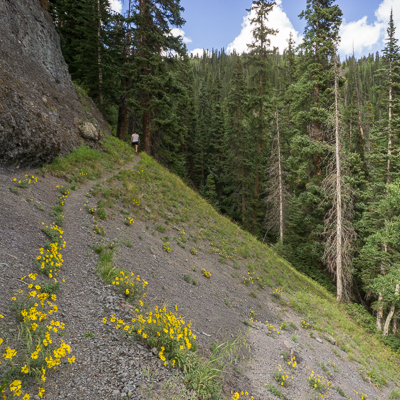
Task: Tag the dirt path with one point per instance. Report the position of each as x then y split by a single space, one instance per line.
104 359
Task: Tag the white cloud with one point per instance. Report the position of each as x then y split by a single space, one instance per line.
181 32
277 19
382 14
360 35
199 52
363 35
116 5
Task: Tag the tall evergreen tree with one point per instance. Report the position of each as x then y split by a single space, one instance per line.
239 166
155 44
385 167
260 49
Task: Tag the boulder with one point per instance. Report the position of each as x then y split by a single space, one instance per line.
88 131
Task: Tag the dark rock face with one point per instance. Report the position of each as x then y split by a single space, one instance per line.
40 112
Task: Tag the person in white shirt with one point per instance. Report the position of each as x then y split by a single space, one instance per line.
135 141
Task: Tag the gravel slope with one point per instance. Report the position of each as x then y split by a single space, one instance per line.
110 366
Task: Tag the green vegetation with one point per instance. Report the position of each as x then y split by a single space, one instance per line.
160 191
275 391
15 190
85 163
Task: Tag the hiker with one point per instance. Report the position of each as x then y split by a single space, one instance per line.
135 141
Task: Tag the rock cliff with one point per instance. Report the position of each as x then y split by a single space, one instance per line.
41 115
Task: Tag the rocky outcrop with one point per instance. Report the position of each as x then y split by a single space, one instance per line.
41 115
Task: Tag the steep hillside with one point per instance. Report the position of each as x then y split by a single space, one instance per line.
41 115
277 333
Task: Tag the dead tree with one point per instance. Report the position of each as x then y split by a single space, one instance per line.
276 192
338 231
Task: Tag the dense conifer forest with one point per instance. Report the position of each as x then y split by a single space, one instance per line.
299 148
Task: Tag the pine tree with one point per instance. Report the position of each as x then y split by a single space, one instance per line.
260 96
383 157
379 259
155 44
314 88
239 166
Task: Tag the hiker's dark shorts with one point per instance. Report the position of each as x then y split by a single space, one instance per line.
135 143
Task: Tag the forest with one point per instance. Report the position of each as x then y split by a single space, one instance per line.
301 149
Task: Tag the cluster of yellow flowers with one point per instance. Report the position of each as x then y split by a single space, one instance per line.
362 396
206 273
281 376
182 236
277 292
305 324
91 210
129 284
50 260
64 192
141 175
128 221
35 309
318 382
99 230
162 329
248 280
271 328
166 247
28 180
136 202
236 395
292 363
34 319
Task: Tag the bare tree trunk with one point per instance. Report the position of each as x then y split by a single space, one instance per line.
379 314
280 180
99 55
339 268
390 315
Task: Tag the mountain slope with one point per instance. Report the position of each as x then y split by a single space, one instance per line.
174 236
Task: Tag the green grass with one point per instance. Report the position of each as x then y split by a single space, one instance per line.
85 163
395 395
15 190
50 288
275 391
169 199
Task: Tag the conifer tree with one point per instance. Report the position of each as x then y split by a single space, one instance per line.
314 88
384 154
260 97
155 44
239 167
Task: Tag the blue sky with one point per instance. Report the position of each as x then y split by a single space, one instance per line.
222 23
